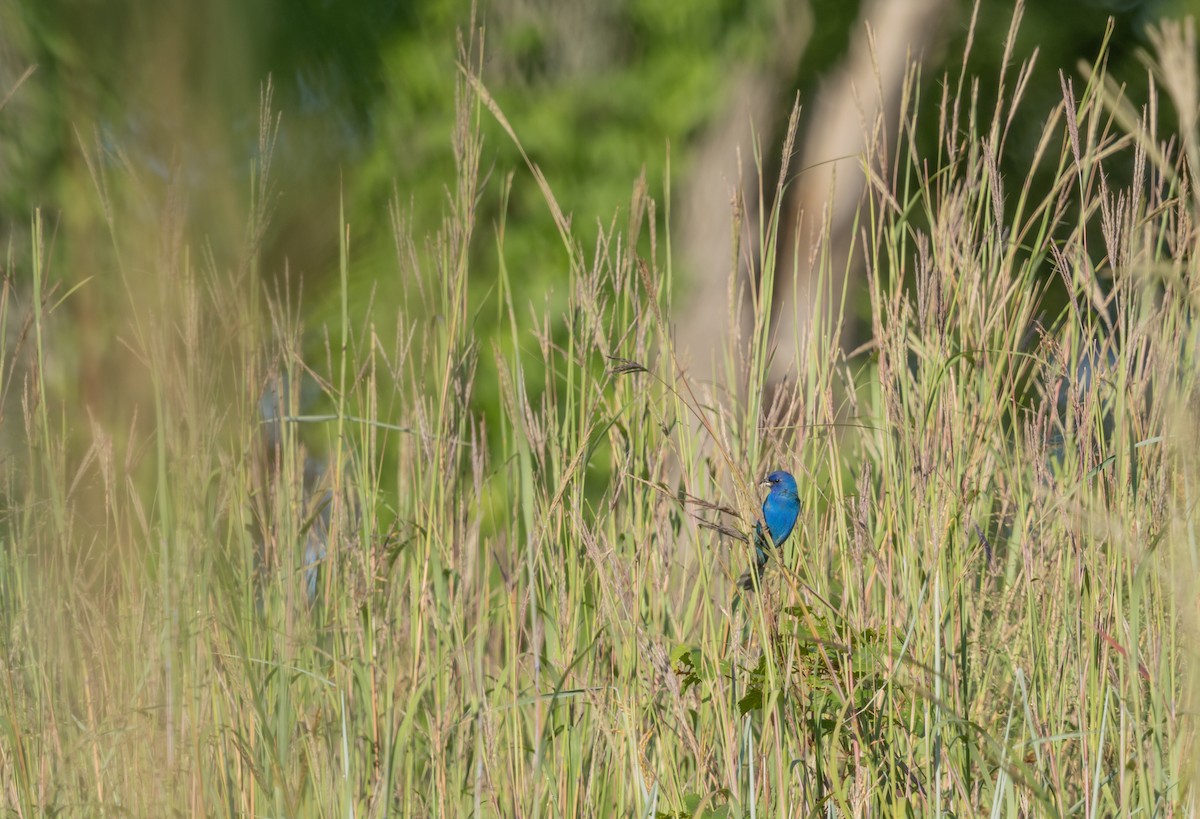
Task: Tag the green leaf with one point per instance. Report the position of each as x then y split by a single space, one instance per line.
752 701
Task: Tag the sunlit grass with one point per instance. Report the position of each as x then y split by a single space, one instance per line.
989 606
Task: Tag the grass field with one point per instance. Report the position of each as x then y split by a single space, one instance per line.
989 607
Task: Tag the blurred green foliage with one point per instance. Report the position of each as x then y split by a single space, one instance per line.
597 92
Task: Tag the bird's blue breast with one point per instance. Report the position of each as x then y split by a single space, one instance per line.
780 511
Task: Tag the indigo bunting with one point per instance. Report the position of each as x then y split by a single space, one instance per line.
780 510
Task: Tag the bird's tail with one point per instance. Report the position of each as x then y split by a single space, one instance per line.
753 576
747 581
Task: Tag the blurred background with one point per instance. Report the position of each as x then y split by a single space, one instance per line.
151 109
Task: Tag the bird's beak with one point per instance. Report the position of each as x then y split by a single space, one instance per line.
765 483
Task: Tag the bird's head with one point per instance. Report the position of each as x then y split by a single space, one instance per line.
781 482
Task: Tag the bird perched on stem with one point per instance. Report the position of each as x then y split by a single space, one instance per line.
780 510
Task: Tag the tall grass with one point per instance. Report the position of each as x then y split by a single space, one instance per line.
989 607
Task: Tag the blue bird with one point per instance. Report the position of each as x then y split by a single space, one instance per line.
780 510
